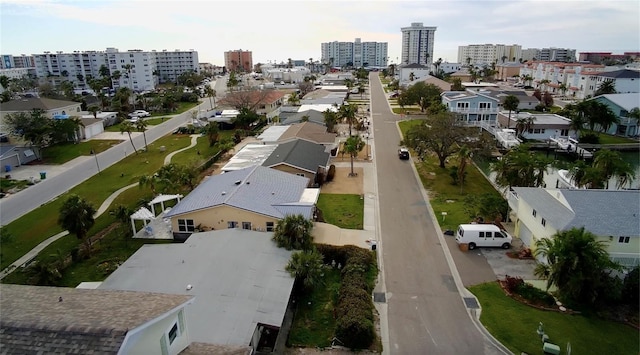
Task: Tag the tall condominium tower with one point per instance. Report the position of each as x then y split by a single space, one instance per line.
417 44
357 54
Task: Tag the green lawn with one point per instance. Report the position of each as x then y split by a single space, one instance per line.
95 190
62 153
313 323
609 139
515 325
443 195
342 210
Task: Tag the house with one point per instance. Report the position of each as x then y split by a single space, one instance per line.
300 157
253 198
14 155
237 277
250 155
509 71
50 107
411 72
90 127
538 126
621 105
625 80
264 102
525 102
474 106
108 118
612 215
443 85
310 131
462 74
60 320
313 116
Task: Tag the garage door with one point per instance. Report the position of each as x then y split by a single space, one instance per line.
525 235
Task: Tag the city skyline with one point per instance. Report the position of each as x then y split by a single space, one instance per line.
276 31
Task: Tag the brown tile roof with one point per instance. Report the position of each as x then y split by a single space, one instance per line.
256 96
37 319
309 131
29 104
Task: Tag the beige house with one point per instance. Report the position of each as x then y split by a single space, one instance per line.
612 215
253 198
51 107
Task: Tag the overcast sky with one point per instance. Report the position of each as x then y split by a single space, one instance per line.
275 31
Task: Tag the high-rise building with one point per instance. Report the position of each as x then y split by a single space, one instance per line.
171 64
13 61
557 55
238 60
76 67
530 54
138 69
489 53
357 54
417 44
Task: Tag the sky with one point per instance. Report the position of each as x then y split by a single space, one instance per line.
277 30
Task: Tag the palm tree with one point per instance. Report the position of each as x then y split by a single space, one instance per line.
293 99
464 155
511 103
563 88
94 110
330 119
126 126
576 263
352 146
524 124
543 83
635 114
609 163
307 268
211 94
347 112
44 274
141 126
76 216
293 232
606 87
520 167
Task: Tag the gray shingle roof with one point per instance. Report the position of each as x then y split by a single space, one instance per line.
300 154
316 117
621 74
602 212
29 104
259 190
34 320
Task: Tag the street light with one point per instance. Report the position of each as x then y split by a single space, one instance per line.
367 136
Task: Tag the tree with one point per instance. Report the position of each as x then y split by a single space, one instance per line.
94 110
464 155
609 163
606 87
232 82
547 99
524 124
597 114
456 84
635 114
245 118
330 119
76 216
4 82
520 167
422 94
122 214
307 268
213 133
294 232
127 126
141 126
347 112
352 146
441 134
511 103
577 264
34 127
104 71
65 130
293 99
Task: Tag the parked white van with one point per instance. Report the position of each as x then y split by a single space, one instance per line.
483 235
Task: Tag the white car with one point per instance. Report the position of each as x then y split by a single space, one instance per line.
139 114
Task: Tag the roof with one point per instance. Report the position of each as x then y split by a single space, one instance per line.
257 189
443 85
602 212
272 133
237 277
317 107
621 74
300 154
31 103
249 155
539 118
468 94
626 101
413 66
4 149
502 95
310 131
313 115
37 319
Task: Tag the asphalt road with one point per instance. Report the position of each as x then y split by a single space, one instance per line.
426 314
47 190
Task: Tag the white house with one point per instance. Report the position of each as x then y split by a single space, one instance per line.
621 105
412 72
538 126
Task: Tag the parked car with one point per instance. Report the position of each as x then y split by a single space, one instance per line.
483 235
403 153
139 114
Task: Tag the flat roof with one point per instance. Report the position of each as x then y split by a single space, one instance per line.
237 277
250 155
273 133
540 118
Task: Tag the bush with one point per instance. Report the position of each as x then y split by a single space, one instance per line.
332 253
535 295
631 288
353 298
331 173
590 138
189 97
512 284
355 330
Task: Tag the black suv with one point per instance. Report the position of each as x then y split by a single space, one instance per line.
403 153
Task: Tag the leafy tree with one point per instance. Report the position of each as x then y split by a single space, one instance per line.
307 268
547 99
330 119
511 103
65 130
456 84
246 118
76 216
442 134
128 127
34 127
141 126
520 167
422 94
488 205
352 146
606 87
577 264
4 82
294 232
232 82
104 71
47 90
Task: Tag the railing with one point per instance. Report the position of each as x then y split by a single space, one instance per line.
473 110
627 260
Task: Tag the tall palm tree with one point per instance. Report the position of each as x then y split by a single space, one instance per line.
330 119
464 155
211 94
606 87
352 146
94 110
347 112
141 126
76 216
609 163
293 232
575 263
511 103
307 267
293 99
128 127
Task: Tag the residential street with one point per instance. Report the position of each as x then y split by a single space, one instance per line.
426 312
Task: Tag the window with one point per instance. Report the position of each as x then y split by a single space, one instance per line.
544 222
300 174
463 105
485 105
481 234
186 225
269 226
624 240
534 213
173 333
246 225
232 224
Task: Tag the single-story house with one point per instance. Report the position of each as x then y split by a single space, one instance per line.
474 106
443 85
15 155
538 126
300 157
237 277
621 105
253 198
62 320
412 72
310 131
108 118
51 107
265 102
289 118
250 155
612 215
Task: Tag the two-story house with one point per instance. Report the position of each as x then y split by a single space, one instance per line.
611 215
538 126
474 106
621 105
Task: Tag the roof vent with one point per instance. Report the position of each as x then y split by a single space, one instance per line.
248 182
238 182
224 193
273 193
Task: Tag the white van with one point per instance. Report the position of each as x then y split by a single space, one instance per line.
483 235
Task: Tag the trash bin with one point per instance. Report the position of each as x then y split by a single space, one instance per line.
7 168
374 245
43 175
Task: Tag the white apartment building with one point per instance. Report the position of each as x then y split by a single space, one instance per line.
357 53
530 54
557 55
76 67
22 61
417 44
136 69
481 54
171 64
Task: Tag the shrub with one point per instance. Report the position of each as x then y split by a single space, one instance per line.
354 298
332 253
331 173
355 330
631 288
590 138
534 294
513 283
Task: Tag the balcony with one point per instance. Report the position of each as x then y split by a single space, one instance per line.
473 110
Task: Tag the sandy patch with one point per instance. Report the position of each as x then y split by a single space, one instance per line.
344 184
